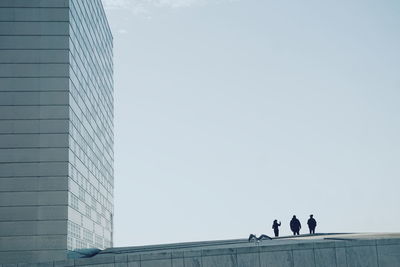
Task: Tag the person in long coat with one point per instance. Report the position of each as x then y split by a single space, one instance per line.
312 223
295 225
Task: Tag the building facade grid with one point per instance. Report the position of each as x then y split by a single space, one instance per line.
91 126
56 128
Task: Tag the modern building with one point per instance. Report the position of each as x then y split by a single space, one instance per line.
321 250
56 129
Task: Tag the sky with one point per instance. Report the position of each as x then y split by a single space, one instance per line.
232 113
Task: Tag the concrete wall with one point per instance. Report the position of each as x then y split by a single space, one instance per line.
362 253
34 125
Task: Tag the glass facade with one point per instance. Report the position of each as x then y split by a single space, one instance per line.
91 136
56 129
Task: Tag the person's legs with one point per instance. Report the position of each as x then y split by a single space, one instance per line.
276 232
262 237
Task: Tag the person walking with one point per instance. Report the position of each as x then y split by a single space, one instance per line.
295 225
275 226
312 223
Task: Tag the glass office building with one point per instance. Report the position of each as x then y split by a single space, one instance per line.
56 129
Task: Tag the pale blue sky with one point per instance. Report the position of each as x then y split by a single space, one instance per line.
230 114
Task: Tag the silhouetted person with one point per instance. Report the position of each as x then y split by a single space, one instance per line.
262 237
253 237
275 226
312 223
295 225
